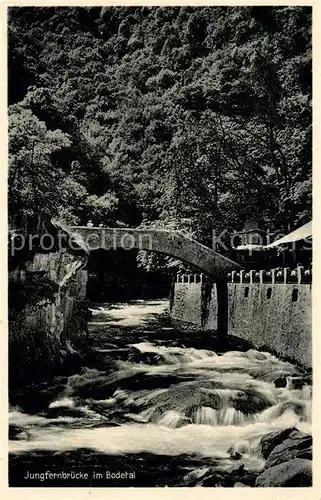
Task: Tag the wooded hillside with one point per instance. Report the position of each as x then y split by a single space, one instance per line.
188 118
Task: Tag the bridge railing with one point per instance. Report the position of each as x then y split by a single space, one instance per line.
280 275
189 278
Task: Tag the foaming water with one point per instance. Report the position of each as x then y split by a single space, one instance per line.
179 400
128 314
173 355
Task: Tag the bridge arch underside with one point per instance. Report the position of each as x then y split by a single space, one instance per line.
173 244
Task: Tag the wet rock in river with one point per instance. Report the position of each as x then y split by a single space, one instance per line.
294 473
146 358
251 401
280 382
292 382
258 355
17 433
36 398
299 382
271 440
228 479
65 411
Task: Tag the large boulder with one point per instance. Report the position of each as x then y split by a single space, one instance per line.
294 473
297 445
273 439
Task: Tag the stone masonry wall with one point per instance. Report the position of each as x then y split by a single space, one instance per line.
194 301
275 316
187 293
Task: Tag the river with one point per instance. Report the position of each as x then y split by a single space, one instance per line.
156 405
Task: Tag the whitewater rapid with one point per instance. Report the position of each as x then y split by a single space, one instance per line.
168 399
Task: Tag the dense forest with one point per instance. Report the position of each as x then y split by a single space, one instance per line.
179 117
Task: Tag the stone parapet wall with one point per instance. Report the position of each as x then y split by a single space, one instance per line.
272 312
187 294
273 317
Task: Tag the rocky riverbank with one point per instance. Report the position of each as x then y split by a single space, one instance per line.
47 311
288 455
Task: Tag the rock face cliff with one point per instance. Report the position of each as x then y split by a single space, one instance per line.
47 310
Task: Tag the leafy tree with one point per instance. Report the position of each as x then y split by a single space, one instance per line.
193 118
38 187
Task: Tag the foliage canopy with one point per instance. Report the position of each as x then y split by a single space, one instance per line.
181 117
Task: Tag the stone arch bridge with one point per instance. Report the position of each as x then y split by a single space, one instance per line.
171 243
